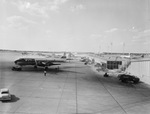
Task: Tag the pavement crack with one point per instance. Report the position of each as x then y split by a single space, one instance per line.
112 95
76 92
61 94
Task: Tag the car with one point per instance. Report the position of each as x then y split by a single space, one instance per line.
128 78
5 95
85 63
16 68
97 65
106 75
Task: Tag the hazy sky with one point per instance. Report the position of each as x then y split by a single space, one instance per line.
75 25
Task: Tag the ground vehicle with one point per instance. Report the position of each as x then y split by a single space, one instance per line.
17 68
106 75
128 78
4 94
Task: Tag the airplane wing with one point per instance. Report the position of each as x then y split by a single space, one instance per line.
42 62
45 62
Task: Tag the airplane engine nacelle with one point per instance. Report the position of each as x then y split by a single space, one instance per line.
49 63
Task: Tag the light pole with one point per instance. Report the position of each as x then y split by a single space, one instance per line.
99 50
111 46
123 46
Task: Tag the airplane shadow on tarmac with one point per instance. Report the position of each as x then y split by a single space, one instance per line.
13 99
49 70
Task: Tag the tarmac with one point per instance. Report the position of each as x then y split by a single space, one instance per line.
74 89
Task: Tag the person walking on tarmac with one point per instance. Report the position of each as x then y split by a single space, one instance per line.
45 71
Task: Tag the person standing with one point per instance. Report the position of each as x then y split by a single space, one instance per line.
45 71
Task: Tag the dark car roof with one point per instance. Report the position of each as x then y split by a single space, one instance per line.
128 75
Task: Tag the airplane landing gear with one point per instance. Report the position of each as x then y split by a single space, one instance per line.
57 68
46 68
35 67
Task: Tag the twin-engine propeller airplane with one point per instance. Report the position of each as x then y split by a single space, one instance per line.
35 62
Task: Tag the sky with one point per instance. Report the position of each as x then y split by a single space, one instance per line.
75 25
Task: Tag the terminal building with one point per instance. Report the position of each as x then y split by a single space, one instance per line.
112 62
137 65
140 68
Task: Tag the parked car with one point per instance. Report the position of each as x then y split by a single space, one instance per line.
97 65
16 68
128 78
106 75
85 63
4 94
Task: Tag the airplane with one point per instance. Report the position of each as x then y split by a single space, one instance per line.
35 62
132 56
65 56
126 56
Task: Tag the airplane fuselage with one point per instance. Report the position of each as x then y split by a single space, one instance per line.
25 61
36 62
